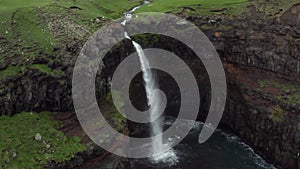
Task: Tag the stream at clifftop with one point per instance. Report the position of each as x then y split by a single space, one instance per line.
221 151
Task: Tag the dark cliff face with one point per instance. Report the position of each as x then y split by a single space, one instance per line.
261 56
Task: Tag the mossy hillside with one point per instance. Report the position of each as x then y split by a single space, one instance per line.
117 120
213 7
274 8
88 11
12 71
46 69
196 7
289 93
147 39
25 33
23 29
92 8
107 8
20 149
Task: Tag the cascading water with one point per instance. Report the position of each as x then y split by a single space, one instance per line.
232 152
153 100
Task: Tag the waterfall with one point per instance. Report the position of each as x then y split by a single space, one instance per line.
153 100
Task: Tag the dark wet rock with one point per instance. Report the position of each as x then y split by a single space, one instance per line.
75 7
3 65
40 60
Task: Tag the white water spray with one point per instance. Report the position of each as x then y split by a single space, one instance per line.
153 100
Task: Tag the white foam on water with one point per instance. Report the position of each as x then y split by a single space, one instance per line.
168 157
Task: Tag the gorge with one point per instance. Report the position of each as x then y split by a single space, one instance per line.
259 48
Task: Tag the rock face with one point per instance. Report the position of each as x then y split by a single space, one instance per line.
35 91
256 40
261 56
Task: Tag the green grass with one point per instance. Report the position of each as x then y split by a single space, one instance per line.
108 8
17 136
294 97
30 32
22 26
117 120
278 85
25 19
12 71
274 7
8 7
46 69
202 7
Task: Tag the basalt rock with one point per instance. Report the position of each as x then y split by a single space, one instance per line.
253 48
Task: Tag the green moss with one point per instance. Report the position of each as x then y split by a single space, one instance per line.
18 136
278 113
31 32
294 97
147 39
46 69
274 7
92 8
276 84
11 71
107 8
117 120
201 7
24 31
262 84
117 102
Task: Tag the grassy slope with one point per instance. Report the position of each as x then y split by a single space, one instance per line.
92 8
27 28
18 136
24 35
20 25
22 28
202 7
275 7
